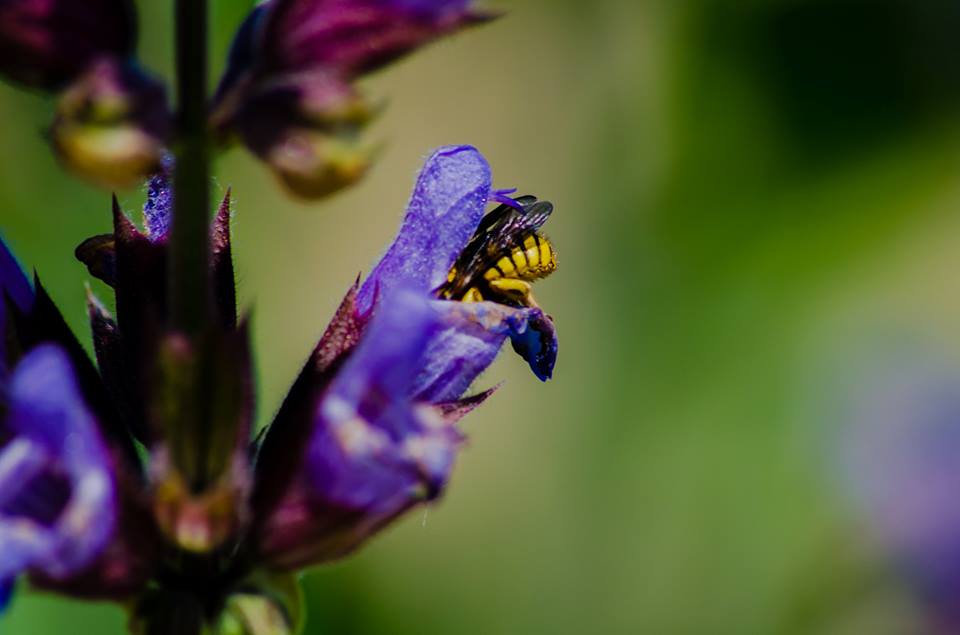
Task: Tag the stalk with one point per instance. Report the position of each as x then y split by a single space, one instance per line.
189 237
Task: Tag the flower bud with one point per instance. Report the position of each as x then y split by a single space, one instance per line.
313 165
263 605
199 471
307 130
288 91
48 43
111 124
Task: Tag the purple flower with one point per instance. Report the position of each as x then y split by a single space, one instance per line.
903 462
57 507
373 450
378 402
60 457
137 477
289 89
443 216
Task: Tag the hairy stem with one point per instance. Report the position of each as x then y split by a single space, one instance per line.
189 237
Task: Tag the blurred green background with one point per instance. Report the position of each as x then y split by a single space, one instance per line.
753 196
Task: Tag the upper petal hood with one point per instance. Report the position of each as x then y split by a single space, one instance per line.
447 204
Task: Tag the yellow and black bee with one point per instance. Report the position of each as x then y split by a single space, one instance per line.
506 254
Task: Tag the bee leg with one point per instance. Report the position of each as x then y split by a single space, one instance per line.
517 290
472 295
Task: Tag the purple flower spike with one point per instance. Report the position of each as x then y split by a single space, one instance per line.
48 43
57 499
446 206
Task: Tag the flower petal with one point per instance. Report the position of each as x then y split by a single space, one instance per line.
64 512
471 340
375 451
158 210
433 8
354 36
447 204
15 286
356 456
13 282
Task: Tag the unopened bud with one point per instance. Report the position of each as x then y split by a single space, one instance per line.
197 522
111 124
47 44
263 605
313 164
289 91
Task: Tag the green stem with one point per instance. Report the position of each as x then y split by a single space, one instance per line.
189 236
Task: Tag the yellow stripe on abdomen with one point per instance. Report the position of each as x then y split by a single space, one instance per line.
520 260
547 258
531 251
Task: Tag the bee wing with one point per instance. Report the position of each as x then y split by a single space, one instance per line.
499 214
510 228
499 232
531 219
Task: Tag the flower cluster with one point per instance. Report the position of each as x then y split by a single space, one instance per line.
138 477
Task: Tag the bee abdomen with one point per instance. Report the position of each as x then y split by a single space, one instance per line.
535 258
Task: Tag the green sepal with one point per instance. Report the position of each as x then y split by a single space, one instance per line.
264 604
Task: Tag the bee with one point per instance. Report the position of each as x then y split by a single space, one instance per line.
507 253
